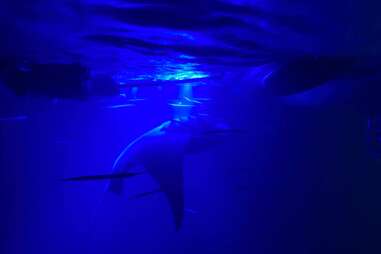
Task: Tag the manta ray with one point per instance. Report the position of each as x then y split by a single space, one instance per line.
160 152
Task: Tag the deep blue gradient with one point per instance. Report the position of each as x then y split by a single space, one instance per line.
299 182
300 79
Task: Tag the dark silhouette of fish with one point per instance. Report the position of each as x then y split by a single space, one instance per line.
161 153
307 72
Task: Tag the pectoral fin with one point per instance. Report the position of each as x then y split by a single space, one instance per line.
168 173
102 177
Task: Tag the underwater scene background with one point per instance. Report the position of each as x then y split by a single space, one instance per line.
163 126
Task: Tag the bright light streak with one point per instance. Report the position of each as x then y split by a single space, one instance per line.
121 106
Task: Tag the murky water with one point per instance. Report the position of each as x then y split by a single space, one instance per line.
295 82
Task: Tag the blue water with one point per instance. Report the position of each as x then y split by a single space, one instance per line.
298 177
299 181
